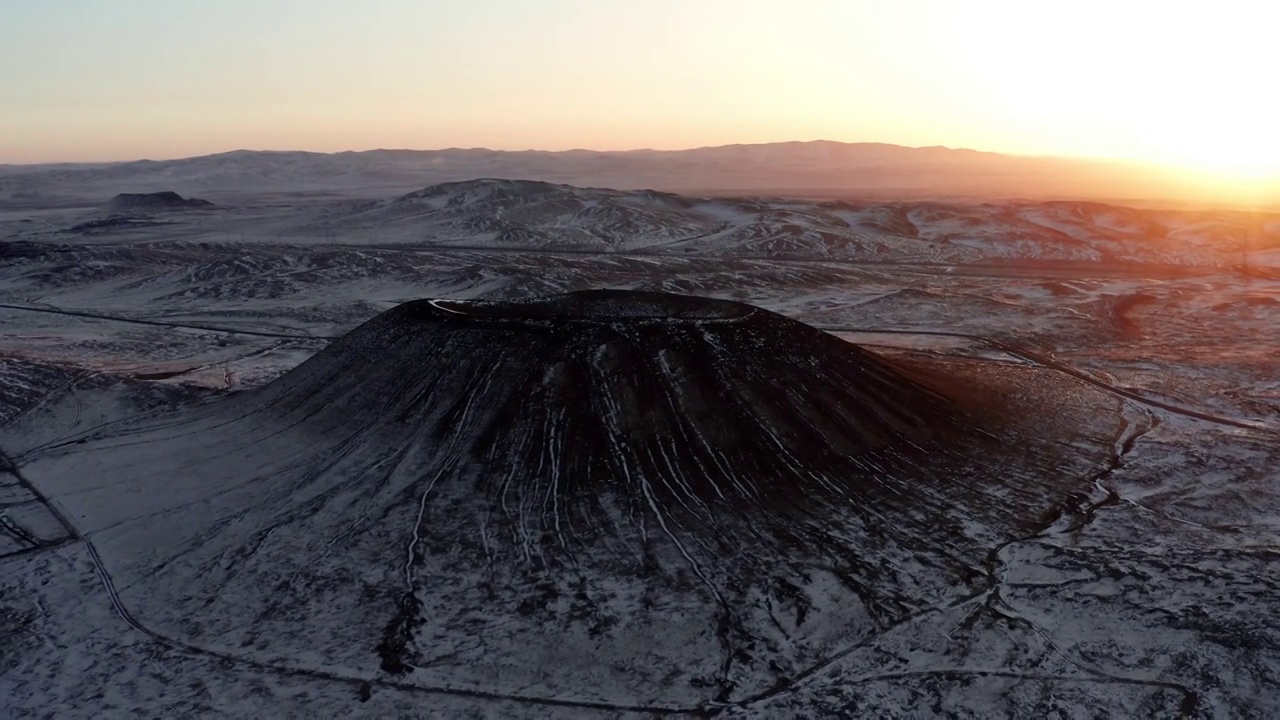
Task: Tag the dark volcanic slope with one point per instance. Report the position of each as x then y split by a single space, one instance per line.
602 496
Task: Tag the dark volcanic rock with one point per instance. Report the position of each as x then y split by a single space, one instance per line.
153 202
111 223
602 496
748 407
15 249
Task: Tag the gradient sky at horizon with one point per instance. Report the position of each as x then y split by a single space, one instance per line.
1178 83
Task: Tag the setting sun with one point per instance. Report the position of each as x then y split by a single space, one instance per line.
1183 90
1223 123
1177 86
1236 146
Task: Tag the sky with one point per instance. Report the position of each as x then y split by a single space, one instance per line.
1188 83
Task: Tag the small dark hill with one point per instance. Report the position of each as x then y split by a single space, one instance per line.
166 201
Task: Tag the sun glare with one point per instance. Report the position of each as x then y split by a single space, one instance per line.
1111 81
1230 140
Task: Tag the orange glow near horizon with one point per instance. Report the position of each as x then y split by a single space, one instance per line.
1245 155
1186 87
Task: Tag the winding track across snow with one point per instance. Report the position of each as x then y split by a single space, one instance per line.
1051 364
159 323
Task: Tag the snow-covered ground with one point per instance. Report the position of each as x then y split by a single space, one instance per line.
1136 338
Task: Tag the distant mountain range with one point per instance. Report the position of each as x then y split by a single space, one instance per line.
819 169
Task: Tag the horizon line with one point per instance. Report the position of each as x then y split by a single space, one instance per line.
571 150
